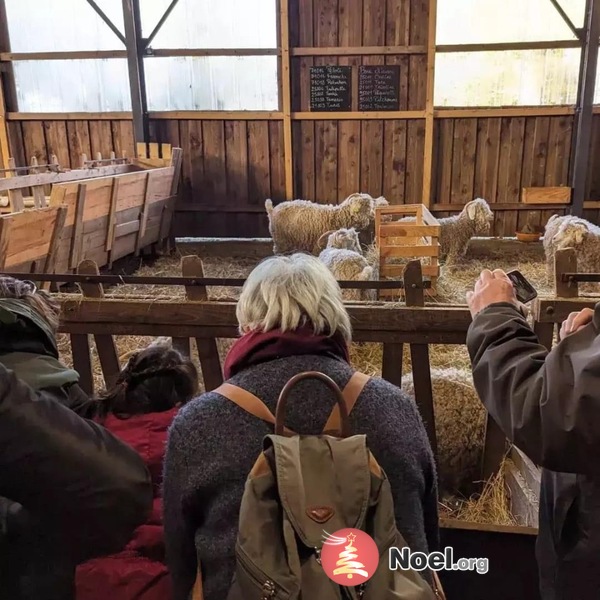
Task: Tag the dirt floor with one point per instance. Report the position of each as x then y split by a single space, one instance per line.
451 289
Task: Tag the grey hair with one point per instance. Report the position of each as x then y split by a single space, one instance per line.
286 292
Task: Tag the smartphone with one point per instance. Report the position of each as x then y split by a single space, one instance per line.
525 291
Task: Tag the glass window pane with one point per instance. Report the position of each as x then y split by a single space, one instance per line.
527 77
72 85
212 83
213 23
62 25
492 21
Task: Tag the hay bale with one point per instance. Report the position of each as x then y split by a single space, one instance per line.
460 427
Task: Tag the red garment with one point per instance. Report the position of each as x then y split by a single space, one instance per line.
257 347
138 572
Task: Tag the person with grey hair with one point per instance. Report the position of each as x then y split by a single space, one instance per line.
291 319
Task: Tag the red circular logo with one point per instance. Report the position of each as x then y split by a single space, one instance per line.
349 556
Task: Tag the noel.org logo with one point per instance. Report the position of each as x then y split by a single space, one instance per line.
349 556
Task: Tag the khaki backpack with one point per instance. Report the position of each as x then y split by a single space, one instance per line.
302 485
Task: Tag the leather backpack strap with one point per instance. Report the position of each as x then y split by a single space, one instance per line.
197 591
351 392
248 402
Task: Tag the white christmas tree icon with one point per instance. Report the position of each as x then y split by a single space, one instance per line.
347 563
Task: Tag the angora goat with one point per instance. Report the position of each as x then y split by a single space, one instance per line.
584 237
297 225
344 259
460 420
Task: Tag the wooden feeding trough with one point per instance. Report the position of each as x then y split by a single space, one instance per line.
403 233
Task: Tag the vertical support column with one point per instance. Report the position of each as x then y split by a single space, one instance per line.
8 89
286 96
584 108
429 120
135 64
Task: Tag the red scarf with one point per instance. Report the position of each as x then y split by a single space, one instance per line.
257 347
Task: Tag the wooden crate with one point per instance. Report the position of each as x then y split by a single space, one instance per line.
417 239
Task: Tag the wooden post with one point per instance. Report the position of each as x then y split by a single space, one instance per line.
429 115
4 146
166 219
565 261
77 239
107 353
585 102
494 449
39 197
143 216
419 353
210 363
391 367
286 97
80 349
15 196
57 232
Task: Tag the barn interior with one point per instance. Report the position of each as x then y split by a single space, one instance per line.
140 141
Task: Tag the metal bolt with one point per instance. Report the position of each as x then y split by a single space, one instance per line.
550 310
414 286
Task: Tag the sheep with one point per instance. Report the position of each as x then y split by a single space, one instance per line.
584 237
460 421
297 225
343 257
553 226
367 235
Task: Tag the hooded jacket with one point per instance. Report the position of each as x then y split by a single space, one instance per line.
548 405
70 490
139 572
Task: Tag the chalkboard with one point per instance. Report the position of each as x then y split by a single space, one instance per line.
379 87
330 88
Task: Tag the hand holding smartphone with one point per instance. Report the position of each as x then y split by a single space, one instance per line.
524 290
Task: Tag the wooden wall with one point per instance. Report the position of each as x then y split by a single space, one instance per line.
234 161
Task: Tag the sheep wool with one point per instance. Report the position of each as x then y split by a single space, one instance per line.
367 236
460 420
343 257
297 225
584 237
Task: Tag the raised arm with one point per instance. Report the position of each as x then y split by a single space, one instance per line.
545 402
88 485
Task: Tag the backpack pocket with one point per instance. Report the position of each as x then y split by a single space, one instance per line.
250 583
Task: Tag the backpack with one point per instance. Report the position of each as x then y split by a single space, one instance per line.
301 486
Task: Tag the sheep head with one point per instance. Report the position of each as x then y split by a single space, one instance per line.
346 239
570 235
478 211
359 208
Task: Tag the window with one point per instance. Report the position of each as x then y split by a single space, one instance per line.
507 77
213 81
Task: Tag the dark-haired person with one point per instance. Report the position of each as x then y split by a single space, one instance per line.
548 404
69 489
139 410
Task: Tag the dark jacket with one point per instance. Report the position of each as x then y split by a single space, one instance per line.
213 445
83 490
139 571
548 405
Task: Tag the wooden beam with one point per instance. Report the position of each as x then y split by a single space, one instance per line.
4 146
358 116
71 116
170 52
357 50
78 55
8 75
504 46
286 97
546 195
219 115
502 112
585 101
135 65
429 113
565 261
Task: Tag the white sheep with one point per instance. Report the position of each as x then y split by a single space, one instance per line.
552 228
343 257
367 235
584 237
460 420
297 225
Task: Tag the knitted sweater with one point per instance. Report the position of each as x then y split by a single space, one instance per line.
213 445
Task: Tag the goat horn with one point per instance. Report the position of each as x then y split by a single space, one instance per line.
326 234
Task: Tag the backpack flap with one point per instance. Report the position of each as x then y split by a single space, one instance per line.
324 483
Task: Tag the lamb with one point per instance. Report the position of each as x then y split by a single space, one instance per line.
297 225
460 420
584 237
343 257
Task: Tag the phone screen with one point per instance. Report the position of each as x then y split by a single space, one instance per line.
524 290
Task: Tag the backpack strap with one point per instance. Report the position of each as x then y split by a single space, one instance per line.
256 407
351 392
248 402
